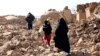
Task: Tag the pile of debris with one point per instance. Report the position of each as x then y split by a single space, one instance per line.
85 36
16 40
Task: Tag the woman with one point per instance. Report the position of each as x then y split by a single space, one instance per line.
61 39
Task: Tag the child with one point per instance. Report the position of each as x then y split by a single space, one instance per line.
47 32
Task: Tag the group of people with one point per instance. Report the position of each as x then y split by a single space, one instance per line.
61 39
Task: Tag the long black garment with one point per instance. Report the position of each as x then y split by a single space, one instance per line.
61 39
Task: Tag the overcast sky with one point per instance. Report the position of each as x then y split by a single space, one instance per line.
36 7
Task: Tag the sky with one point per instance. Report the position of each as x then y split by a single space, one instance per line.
37 7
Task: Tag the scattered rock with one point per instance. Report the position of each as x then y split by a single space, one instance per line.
96 53
6 33
9 52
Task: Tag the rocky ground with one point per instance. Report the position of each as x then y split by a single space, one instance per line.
16 40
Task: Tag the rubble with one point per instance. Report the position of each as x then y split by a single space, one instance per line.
84 38
16 40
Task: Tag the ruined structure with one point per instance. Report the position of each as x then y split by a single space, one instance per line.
80 12
90 7
85 11
97 12
51 14
66 13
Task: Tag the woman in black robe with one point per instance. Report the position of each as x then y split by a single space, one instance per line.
61 39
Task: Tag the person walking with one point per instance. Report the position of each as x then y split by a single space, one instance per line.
61 39
47 32
29 19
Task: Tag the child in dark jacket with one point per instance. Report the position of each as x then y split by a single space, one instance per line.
47 31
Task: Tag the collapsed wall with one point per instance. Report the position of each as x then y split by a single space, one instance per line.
80 12
90 7
85 11
51 14
97 12
54 15
66 13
